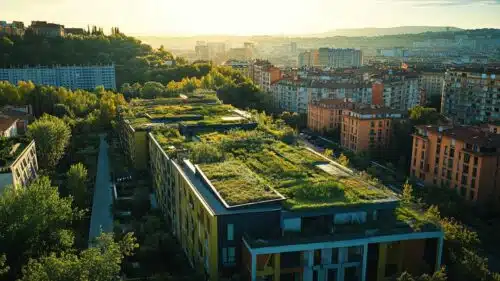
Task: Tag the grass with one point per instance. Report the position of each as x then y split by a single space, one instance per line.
236 183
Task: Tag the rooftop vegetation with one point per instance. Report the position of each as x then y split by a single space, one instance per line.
10 149
236 183
291 170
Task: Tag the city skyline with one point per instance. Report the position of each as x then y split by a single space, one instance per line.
224 17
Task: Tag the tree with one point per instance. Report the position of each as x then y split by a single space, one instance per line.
407 194
34 221
152 90
77 184
101 262
51 136
4 268
109 103
328 153
343 160
439 275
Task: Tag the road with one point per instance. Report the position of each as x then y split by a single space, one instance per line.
101 219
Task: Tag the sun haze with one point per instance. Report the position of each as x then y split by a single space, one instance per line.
236 17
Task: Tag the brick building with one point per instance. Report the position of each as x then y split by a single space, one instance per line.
326 114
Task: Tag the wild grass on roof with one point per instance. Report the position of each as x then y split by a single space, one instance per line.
236 183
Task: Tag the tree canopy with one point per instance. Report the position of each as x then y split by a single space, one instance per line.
51 136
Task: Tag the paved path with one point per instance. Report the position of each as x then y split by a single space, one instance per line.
101 219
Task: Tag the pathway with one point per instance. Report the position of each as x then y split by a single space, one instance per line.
101 219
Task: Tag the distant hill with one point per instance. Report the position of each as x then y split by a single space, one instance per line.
372 31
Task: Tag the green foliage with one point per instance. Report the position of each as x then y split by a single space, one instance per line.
51 136
420 115
206 153
101 262
439 275
407 194
4 268
77 184
343 160
328 153
33 222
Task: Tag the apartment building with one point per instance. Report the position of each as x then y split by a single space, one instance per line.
368 128
264 74
43 28
432 82
340 58
255 216
462 158
401 91
16 28
20 166
72 77
326 114
359 92
471 95
309 59
290 94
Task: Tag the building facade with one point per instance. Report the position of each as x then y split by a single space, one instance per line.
326 115
461 158
401 92
43 28
365 129
308 59
471 96
264 74
340 58
21 170
16 28
72 77
432 83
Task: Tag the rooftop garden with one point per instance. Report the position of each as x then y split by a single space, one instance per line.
10 149
292 170
199 109
236 183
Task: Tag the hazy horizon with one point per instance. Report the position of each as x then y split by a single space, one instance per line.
260 17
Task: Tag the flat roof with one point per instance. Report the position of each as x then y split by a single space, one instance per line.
11 149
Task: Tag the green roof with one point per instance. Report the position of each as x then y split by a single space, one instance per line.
237 184
198 109
10 149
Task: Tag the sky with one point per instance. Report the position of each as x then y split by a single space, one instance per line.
252 17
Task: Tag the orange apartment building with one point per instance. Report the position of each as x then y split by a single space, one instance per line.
463 158
326 114
367 128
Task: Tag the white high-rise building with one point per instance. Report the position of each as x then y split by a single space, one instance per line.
72 77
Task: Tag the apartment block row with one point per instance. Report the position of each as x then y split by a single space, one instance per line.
72 77
253 214
401 92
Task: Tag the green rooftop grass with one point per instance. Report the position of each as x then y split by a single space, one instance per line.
293 171
236 183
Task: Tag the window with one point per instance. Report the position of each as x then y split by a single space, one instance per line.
464 179
452 152
474 171
230 232
476 160
372 124
446 150
465 169
473 183
466 158
229 256
422 154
